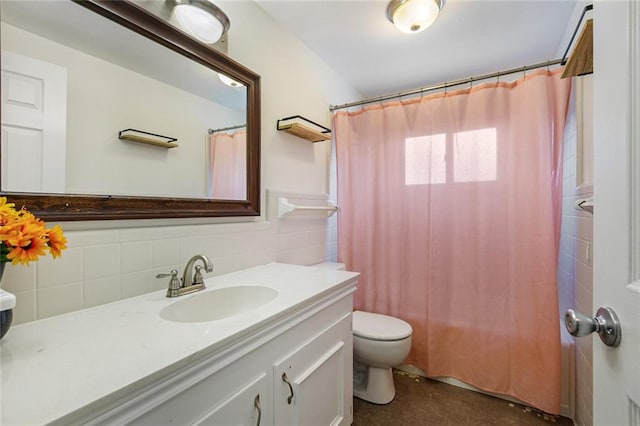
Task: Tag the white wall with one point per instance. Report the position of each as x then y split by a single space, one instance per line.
107 261
292 83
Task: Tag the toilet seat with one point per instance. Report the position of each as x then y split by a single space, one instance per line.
368 325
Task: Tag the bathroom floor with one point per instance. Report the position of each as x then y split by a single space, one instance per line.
426 402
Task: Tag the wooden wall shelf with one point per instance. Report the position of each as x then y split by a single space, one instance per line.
581 59
304 128
139 136
580 62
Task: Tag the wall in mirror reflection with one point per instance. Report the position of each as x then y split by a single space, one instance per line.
104 98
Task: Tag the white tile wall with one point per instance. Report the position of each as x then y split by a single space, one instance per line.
575 277
301 239
108 265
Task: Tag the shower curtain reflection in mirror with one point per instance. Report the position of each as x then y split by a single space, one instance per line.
228 165
450 210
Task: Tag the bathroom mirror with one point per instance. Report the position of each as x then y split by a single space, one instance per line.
175 94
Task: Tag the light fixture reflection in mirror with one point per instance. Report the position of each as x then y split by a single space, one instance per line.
229 81
201 18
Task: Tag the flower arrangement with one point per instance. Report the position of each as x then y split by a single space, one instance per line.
24 237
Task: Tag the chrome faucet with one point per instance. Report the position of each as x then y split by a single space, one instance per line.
188 278
189 282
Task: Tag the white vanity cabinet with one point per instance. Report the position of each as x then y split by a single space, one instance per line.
242 384
124 363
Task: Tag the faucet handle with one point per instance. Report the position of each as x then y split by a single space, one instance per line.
174 282
197 277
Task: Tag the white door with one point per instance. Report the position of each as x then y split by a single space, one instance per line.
34 115
616 375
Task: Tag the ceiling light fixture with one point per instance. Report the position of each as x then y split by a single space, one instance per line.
201 18
413 16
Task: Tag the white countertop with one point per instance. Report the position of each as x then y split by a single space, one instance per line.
53 367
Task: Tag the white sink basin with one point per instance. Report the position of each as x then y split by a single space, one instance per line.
218 304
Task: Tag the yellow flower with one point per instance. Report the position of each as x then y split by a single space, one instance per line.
57 241
4 204
31 251
7 211
9 231
24 237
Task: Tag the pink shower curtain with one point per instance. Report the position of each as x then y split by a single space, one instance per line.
449 208
228 162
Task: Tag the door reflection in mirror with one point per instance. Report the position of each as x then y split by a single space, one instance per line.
34 110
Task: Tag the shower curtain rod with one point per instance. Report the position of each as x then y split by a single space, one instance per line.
239 126
447 84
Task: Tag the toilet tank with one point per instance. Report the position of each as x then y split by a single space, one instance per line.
330 265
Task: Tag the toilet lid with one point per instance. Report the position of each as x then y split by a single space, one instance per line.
379 327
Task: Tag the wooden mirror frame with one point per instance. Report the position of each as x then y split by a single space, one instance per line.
66 207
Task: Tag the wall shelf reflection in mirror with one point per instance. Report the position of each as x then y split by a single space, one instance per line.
147 138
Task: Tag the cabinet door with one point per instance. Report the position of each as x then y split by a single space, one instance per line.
312 385
245 407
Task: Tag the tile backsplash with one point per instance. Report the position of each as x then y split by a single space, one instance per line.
103 266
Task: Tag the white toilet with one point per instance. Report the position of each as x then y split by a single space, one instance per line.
380 342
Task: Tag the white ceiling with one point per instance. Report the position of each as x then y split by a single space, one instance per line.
470 38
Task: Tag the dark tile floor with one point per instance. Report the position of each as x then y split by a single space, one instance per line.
426 402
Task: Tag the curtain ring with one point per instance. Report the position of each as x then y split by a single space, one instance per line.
470 82
524 71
